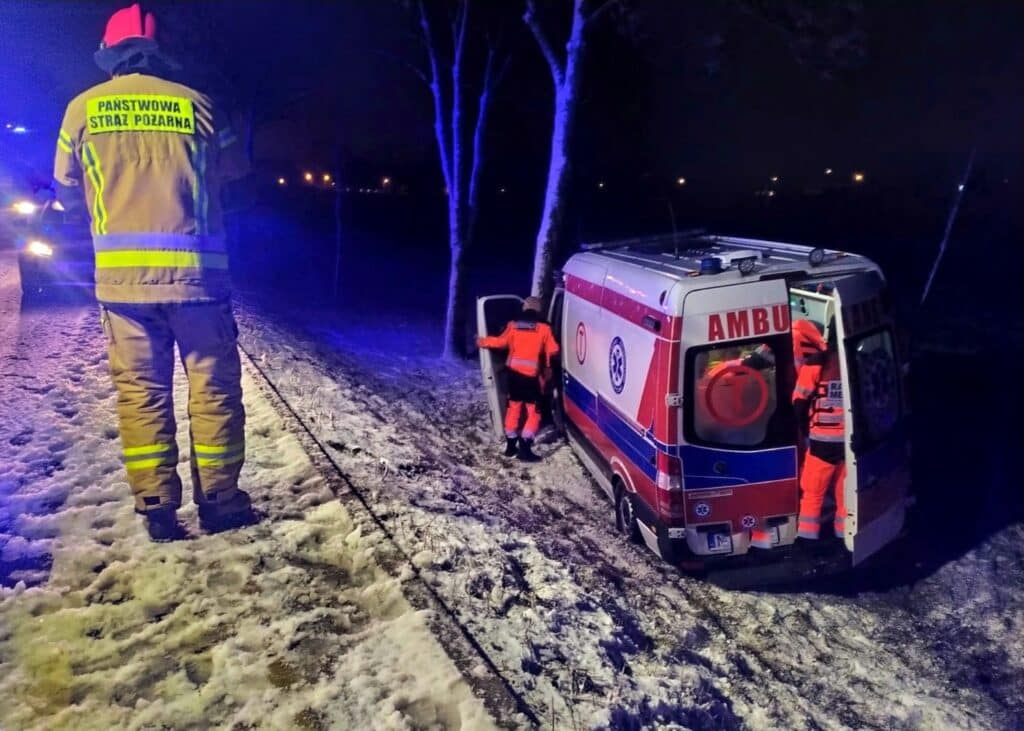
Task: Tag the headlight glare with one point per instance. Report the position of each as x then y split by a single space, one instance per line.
25 208
39 248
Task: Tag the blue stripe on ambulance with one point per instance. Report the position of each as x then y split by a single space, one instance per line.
698 462
766 465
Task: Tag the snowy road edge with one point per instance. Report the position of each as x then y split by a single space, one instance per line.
504 704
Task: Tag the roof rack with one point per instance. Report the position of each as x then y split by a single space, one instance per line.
660 241
694 245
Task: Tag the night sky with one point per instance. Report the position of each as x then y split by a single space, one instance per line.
705 90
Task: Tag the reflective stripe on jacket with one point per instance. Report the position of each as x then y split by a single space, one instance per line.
822 386
527 342
147 153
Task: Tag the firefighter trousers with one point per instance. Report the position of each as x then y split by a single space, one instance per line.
816 478
141 340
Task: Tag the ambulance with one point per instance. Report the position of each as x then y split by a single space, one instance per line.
675 390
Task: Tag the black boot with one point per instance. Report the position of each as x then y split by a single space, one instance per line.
510 447
215 517
163 526
526 452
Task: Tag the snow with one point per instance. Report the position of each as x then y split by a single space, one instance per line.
307 619
289 623
596 632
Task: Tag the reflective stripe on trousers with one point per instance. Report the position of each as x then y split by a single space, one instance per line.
816 478
514 415
141 349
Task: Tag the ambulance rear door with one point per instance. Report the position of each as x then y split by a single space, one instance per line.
877 469
739 460
492 315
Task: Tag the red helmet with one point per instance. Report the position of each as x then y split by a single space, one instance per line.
129 23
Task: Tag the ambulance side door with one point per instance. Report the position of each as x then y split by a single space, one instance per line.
877 469
492 315
555 387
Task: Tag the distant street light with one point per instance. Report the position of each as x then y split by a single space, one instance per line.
385 181
771 193
858 177
680 181
282 181
600 185
828 171
960 187
327 178
775 178
501 190
308 177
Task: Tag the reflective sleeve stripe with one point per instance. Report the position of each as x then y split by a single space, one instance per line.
66 137
64 146
200 198
65 142
147 450
226 137
95 173
812 519
803 392
154 258
162 241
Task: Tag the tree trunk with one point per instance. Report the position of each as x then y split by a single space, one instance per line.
455 314
549 236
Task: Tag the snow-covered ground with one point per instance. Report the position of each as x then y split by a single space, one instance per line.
290 623
596 632
304 621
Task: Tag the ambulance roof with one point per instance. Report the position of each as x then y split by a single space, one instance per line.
679 257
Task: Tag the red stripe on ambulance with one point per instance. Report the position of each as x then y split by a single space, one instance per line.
739 324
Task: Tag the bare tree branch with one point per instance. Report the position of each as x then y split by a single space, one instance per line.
603 8
546 46
440 123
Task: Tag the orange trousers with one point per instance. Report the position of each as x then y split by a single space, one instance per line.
514 414
815 480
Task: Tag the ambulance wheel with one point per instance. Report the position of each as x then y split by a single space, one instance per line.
625 514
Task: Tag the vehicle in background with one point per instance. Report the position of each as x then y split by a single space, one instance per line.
676 386
55 253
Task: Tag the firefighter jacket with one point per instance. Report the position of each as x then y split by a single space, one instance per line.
819 396
528 341
150 155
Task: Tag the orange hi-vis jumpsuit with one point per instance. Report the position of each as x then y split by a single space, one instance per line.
819 395
528 340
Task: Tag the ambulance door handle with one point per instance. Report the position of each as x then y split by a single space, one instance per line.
720 468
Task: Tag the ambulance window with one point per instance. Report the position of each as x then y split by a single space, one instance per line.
734 392
876 387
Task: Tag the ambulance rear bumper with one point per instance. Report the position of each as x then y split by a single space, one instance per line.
779 565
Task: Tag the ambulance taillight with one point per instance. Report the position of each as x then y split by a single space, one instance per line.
670 486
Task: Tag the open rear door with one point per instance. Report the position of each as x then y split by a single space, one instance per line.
877 469
492 315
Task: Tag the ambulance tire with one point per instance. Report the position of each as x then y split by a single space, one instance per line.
625 514
558 413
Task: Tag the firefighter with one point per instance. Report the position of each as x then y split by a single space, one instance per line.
149 155
818 402
531 347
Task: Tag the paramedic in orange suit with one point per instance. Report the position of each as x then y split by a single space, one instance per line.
531 346
818 402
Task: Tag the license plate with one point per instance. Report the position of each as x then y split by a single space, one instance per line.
719 543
